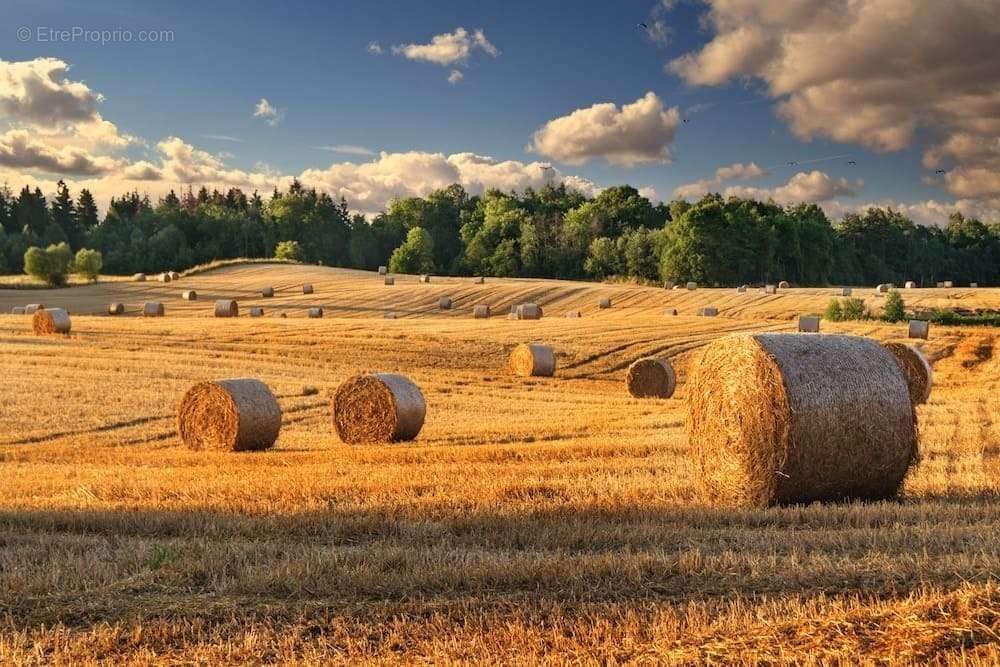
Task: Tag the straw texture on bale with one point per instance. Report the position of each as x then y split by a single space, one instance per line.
116 308
256 311
444 303
846 291
481 311
307 289
165 278
389 280
189 295
809 323
529 311
604 302
669 311
50 321
382 270
139 278
31 308
783 285
777 419
267 292
227 308
909 284
424 278
916 369
381 407
530 359
651 378
152 309
692 286
315 312
17 310
919 329
574 314
708 311
239 414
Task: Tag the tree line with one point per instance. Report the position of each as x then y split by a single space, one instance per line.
553 232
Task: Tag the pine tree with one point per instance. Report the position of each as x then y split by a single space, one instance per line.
86 211
64 216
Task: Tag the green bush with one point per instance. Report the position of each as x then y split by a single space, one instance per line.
833 312
854 309
894 309
288 250
50 265
88 263
416 255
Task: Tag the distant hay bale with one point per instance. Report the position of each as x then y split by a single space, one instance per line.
530 359
919 329
604 302
909 284
174 275
769 289
742 289
512 316
139 278
846 291
31 308
227 308
378 408
50 321
315 312
267 292
708 311
382 270
256 311
444 303
916 369
776 419
692 286
481 312
529 311
389 280
116 308
17 310
651 378
574 314
478 280
809 323
164 278
939 285
669 311
189 295
389 316
783 284
668 284
882 289
307 288
973 285
235 415
947 284
424 278
152 309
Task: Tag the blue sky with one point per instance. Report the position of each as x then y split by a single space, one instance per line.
311 61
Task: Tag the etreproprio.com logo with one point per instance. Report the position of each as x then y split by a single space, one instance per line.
48 34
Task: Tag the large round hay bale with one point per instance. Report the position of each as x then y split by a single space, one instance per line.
189 295
846 291
604 302
424 278
668 284
152 309
32 308
528 311
919 329
315 313
916 369
239 414
389 280
973 285
267 292
139 277
116 308
380 407
174 275
444 303
882 289
50 321
256 311
742 289
227 308
382 270
530 359
769 289
17 310
708 311
574 314
481 311
307 288
781 418
809 323
164 278
909 284
478 280
651 378
692 286
948 284
783 284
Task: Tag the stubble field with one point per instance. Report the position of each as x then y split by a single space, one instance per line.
545 519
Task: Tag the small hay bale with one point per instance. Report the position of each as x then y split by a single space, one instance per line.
769 289
17 310
389 316
189 295
164 278
783 284
530 359
307 288
116 308
315 312
256 311
973 285
31 308
267 293
692 286
919 329
478 280
651 378
777 419
948 284
708 311
424 278
670 311
174 275
227 308
668 284
604 302
152 309
481 312
378 408
846 291
909 284
139 277
444 303
50 321
382 270
742 289
809 323
529 311
235 415
882 289
574 314
916 369
389 280
940 285
512 316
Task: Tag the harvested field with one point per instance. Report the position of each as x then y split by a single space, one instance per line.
567 524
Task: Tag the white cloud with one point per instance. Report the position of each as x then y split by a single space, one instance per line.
21 149
374 48
455 76
734 172
637 133
346 149
268 112
37 91
803 187
450 48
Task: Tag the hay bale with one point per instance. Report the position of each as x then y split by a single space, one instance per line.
256 311
152 309
529 311
512 316
32 308
116 308
381 407
916 369
50 321
651 378
382 270
947 284
973 285
777 419
481 312
478 280
139 277
389 316
939 285
235 415
17 310
424 278
444 303
668 284
669 311
189 295
783 284
769 289
742 289
174 275
846 291
530 359
164 278
227 308
692 286
882 289
809 323
315 312
919 329
307 288
574 314
604 302
677 287
708 311
909 284
389 280
267 293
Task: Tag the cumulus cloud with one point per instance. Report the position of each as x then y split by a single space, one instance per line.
636 133
37 91
449 48
20 149
879 73
455 76
268 112
734 172
803 187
